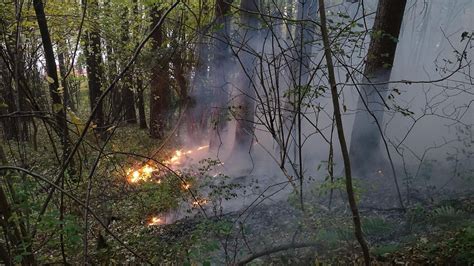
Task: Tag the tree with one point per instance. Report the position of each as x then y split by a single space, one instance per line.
128 96
55 94
219 72
245 104
159 86
340 132
366 134
138 76
63 71
140 101
93 54
301 80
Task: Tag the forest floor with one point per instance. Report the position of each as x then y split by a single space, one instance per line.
439 231
280 233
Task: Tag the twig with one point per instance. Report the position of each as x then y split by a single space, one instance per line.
276 249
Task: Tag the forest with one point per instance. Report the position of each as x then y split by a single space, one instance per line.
236 132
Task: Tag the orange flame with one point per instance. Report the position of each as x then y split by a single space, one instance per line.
142 174
200 202
155 221
180 155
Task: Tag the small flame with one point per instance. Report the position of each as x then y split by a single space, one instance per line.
200 202
186 186
142 174
202 147
155 221
179 156
148 169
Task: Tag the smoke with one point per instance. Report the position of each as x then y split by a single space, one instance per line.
427 125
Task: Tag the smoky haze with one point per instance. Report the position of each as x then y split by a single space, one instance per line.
426 120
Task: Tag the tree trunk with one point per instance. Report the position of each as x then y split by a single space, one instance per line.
128 97
141 102
8 105
365 140
64 84
93 56
114 100
245 105
219 75
159 87
57 105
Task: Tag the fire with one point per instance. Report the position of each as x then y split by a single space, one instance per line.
155 221
179 156
200 202
202 147
148 170
186 186
142 174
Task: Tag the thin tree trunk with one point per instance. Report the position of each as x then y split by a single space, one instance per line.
307 10
10 125
141 102
340 132
64 84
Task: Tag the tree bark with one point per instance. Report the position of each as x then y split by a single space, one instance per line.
128 96
219 75
8 105
115 97
365 140
93 56
340 132
245 105
57 105
159 91
141 102
64 83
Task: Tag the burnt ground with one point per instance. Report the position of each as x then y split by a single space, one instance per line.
279 232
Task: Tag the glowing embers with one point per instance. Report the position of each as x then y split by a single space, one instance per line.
155 220
180 156
200 202
186 186
141 174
